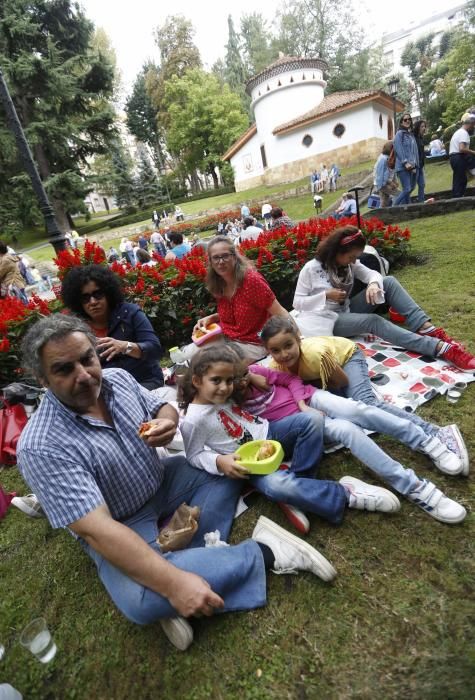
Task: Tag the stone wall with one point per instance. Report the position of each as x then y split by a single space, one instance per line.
295 170
409 212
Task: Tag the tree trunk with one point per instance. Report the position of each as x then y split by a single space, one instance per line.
60 212
215 178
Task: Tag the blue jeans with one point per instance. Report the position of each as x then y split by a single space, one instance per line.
408 182
421 182
344 421
235 573
361 320
360 389
301 436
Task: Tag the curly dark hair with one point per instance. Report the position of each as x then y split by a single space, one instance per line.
107 281
199 365
328 249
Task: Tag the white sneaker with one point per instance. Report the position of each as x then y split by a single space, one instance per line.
291 553
29 505
178 631
445 460
432 500
368 497
451 437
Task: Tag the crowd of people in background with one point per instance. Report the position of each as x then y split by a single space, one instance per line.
404 160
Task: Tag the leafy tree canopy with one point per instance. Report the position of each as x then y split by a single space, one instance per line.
205 118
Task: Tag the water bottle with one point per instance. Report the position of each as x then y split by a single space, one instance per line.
7 692
29 404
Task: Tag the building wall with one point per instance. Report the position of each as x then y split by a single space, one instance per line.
395 42
366 129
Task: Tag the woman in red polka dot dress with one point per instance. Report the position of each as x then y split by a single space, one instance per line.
244 299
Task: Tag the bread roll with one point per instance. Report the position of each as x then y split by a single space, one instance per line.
266 450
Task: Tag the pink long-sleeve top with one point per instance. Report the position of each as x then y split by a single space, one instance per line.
281 399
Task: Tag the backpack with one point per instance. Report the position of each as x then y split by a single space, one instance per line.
392 159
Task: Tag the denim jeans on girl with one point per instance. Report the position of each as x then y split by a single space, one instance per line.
301 436
235 573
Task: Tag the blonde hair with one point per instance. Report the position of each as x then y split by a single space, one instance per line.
214 282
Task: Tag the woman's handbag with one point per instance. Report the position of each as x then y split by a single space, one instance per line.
12 421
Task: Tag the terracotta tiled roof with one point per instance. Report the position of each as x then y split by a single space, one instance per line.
244 138
335 103
281 65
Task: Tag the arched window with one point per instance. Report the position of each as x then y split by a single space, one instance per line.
339 130
307 140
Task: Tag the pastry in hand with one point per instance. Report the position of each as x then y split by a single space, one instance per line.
146 429
266 450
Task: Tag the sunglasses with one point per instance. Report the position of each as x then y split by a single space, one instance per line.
407 119
225 257
96 294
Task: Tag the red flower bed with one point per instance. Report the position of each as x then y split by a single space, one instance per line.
173 294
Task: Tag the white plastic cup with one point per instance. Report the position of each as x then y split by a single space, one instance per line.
37 638
380 297
453 395
460 386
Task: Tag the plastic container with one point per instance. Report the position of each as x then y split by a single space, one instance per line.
248 453
176 355
395 317
202 337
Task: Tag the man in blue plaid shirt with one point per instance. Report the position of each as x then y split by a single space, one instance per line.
92 473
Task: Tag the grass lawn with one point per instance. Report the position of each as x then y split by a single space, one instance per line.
398 621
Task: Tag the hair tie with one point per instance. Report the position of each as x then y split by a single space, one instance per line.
352 237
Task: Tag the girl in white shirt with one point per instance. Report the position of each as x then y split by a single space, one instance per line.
215 426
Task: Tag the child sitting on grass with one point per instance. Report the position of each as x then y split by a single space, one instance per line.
215 426
312 357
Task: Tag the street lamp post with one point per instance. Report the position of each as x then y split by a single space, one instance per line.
57 238
393 86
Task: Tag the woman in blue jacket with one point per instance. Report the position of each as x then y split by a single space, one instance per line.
407 159
125 337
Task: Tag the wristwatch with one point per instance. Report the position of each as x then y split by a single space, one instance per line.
129 348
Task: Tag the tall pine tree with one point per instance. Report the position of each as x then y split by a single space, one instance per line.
61 88
147 186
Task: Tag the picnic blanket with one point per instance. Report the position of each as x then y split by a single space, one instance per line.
404 378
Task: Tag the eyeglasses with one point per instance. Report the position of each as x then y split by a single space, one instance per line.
225 257
407 119
96 294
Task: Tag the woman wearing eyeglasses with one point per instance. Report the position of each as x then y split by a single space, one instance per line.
244 299
125 336
407 159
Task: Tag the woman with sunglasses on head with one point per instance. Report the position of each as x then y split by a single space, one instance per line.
125 337
323 298
244 299
407 159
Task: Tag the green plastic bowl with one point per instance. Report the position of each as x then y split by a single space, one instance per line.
248 453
